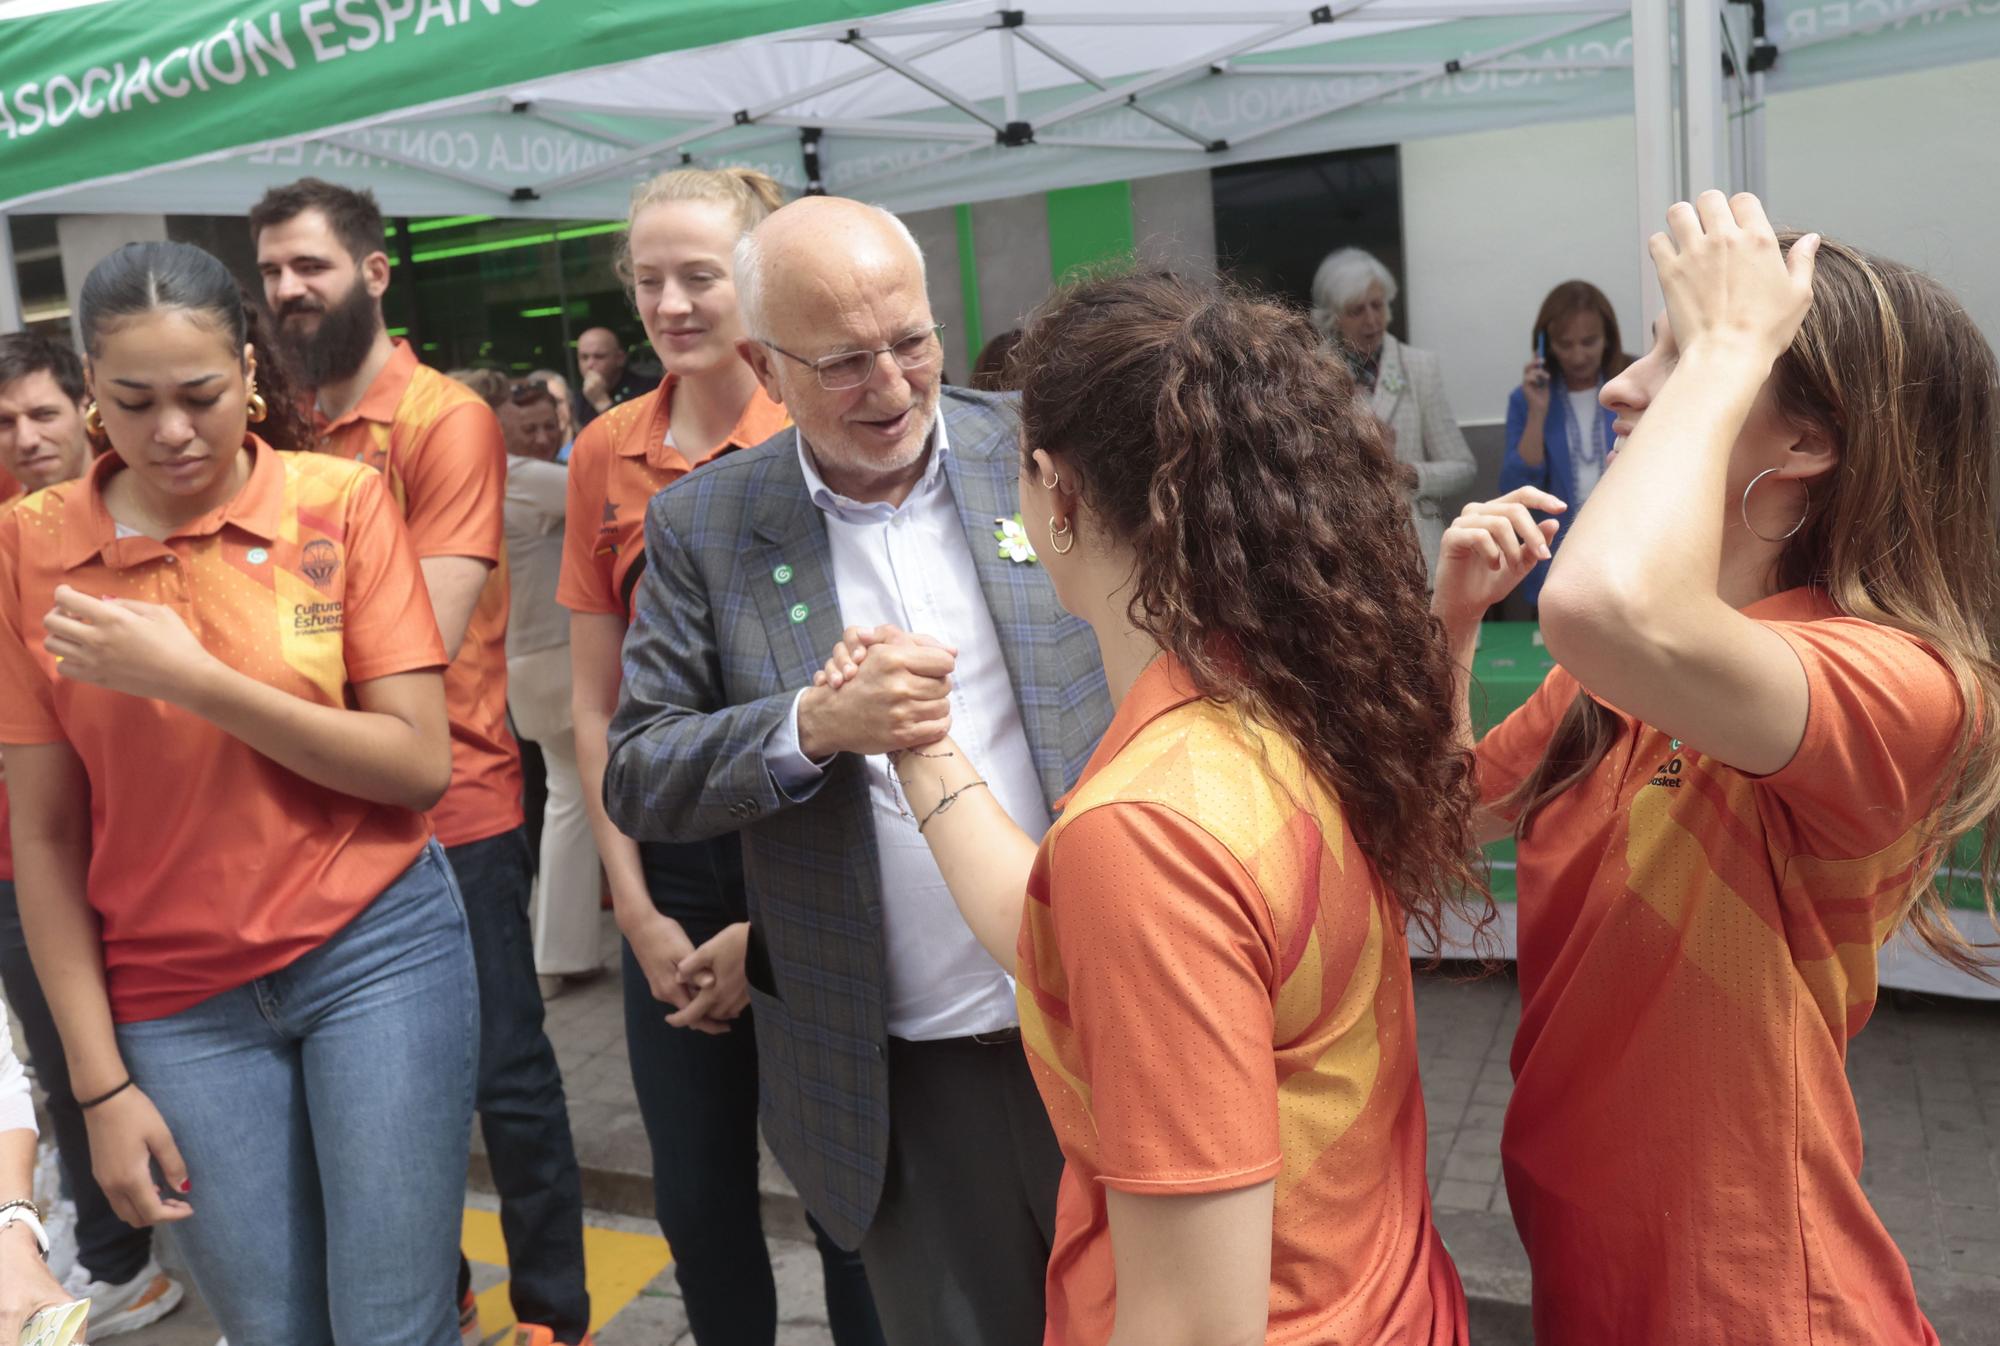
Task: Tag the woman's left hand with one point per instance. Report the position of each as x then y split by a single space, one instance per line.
1726 279
142 649
716 969
26 1287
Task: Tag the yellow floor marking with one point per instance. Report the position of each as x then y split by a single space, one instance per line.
617 1267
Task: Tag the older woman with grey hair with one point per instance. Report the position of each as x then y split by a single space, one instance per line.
1351 293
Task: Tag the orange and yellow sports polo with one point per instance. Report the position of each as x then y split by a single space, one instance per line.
1215 993
211 865
620 462
441 449
1696 947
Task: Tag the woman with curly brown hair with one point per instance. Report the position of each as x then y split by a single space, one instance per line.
1214 985
1773 625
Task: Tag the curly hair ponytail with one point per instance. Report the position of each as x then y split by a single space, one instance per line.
1273 551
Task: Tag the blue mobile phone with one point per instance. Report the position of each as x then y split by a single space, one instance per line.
1542 346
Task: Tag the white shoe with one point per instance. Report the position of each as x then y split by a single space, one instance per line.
117 1309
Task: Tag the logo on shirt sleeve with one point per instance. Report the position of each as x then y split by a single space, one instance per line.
320 562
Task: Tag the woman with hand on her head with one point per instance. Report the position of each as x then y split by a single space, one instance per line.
1214 983
1558 431
682 908
1763 737
222 711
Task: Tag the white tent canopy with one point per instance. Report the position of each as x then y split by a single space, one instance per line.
947 103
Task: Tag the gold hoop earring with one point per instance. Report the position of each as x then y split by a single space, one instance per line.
1052 485
256 408
1064 531
93 420
1743 508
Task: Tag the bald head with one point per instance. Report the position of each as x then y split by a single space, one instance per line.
819 244
840 331
600 352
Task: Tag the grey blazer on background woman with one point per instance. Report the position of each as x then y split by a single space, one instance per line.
1409 397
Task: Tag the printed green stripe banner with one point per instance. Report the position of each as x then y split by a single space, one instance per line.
96 90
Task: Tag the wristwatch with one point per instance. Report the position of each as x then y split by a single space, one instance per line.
29 1214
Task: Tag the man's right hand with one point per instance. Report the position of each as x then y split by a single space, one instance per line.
895 698
596 391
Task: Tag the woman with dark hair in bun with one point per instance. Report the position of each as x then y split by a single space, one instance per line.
223 721
1213 979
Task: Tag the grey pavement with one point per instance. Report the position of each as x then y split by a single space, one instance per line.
1926 1074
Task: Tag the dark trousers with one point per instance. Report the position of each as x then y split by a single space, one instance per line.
697 1094
534 796
522 1113
959 1251
109 1249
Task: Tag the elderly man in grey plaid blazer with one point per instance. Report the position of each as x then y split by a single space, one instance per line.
894 1087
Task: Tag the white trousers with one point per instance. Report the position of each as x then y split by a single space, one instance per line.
566 911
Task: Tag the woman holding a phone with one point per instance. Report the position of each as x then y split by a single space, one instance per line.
1557 430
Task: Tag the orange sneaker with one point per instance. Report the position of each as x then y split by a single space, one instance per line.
468 1321
527 1334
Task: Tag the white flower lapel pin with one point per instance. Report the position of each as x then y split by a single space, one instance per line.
1014 544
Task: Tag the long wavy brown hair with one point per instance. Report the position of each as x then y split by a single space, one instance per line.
1890 368
1272 549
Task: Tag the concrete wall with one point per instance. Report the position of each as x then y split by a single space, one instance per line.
86 240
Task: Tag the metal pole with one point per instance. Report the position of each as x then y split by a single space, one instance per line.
1703 109
12 318
1653 121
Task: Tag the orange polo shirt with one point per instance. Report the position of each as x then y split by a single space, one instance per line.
1215 993
620 462
211 865
440 447
1697 946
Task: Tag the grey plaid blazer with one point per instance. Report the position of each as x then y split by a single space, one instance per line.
719 646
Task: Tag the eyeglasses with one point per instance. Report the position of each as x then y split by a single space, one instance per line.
850 369
525 394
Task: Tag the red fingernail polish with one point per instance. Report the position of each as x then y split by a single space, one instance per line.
187 1185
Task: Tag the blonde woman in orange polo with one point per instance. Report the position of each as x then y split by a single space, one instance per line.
681 907
1213 980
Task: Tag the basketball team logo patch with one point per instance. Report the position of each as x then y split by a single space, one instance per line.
320 562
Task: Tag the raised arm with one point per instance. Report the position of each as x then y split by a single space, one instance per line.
1634 607
982 853
1486 552
395 748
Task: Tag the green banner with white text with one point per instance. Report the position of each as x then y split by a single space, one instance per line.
122 86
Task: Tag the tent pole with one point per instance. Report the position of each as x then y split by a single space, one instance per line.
1653 121
12 316
1704 109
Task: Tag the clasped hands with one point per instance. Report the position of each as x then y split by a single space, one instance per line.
882 690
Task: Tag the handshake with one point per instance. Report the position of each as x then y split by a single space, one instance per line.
883 690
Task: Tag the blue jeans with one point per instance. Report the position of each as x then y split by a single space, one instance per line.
324 1113
109 1249
697 1094
522 1113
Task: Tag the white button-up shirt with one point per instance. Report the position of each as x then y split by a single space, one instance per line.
911 565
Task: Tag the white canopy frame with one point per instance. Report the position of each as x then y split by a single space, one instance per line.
930 104
1009 27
